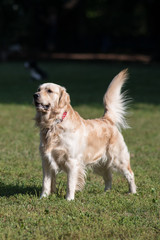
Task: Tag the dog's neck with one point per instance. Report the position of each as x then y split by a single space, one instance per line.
51 120
48 119
59 120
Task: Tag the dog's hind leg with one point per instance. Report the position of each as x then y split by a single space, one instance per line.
121 162
124 168
107 176
129 175
104 171
53 182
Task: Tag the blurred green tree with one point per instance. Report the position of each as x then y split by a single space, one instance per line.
81 24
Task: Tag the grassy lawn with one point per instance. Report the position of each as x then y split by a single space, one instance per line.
94 214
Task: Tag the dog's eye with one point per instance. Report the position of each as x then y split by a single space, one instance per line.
38 90
49 91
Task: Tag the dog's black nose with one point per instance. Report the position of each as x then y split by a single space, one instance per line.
36 95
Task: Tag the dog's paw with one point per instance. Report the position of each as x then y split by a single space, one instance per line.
43 195
69 198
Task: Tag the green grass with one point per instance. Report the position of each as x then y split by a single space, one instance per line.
94 214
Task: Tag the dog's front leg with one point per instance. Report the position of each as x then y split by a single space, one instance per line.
47 178
72 176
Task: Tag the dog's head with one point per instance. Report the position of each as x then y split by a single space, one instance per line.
50 97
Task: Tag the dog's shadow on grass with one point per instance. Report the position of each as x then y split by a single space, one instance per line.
9 190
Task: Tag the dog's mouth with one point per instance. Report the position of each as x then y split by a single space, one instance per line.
41 107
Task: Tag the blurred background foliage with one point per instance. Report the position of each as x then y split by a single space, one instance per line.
28 26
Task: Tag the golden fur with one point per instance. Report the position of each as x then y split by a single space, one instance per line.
71 143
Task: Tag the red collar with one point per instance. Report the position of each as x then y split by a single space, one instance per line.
64 115
61 120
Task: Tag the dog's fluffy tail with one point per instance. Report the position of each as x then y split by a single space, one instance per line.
115 102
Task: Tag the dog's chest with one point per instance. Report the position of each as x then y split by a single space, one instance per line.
71 142
62 145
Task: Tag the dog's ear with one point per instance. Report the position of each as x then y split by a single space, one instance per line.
64 98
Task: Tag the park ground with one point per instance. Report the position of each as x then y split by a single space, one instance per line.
93 214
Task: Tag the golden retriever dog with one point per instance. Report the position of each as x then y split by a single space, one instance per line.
70 143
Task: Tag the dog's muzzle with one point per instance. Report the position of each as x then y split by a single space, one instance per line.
39 105
36 96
